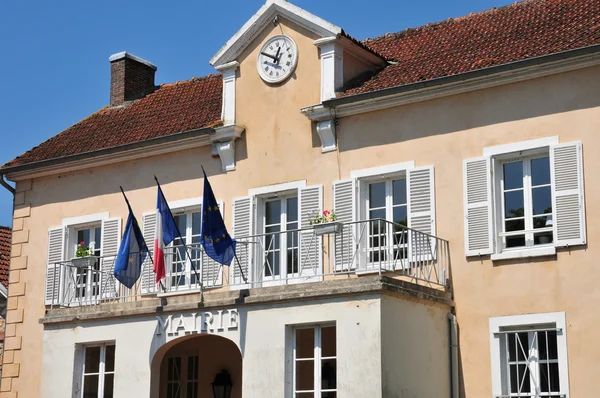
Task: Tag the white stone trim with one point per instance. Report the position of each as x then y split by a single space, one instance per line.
265 15
326 131
520 146
226 152
184 204
524 253
383 171
229 72
286 186
89 218
223 145
497 323
332 67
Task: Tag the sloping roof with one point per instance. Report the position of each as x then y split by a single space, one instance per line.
172 108
5 239
513 33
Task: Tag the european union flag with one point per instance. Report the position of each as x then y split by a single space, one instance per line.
217 243
132 253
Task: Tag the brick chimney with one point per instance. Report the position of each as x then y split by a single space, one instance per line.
131 78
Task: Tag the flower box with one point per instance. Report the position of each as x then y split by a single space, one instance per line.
328 228
84 262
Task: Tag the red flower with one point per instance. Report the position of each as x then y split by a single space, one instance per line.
326 213
82 243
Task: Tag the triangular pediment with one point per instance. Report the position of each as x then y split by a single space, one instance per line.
265 15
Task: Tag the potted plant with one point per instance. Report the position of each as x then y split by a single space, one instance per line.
84 257
325 223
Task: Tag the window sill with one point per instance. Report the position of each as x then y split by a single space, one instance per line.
525 253
184 292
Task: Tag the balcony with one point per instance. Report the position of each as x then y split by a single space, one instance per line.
271 259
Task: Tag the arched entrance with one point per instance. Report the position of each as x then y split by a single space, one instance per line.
186 367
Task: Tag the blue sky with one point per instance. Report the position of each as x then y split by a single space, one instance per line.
54 55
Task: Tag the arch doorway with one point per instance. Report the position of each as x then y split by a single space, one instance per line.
189 366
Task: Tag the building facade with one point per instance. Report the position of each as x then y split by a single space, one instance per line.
460 264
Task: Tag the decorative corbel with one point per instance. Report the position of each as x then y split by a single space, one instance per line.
326 131
223 144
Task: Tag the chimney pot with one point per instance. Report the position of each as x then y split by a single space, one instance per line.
131 78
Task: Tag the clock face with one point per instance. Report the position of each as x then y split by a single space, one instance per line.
277 59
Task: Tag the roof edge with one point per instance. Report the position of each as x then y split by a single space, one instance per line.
569 57
138 149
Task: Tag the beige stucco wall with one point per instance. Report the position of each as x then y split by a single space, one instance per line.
280 145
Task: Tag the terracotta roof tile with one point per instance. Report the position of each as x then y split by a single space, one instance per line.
516 32
171 109
5 240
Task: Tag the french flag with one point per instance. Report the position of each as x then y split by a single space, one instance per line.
166 232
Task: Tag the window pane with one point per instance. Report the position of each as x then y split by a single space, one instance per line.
399 191
540 171
328 374
522 346
514 204
98 238
109 383
305 341
373 214
192 367
305 375
305 395
519 379
196 220
292 209
328 342
513 175
110 358
542 200
515 225
377 195
542 222
400 216
552 345
90 386
543 238
515 241
330 394
181 221
92 359
273 212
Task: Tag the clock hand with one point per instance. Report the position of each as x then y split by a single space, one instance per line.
269 55
277 55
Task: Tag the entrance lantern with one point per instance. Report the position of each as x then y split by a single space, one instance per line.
222 385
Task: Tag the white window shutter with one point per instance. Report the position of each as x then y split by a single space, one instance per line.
111 238
310 202
567 195
477 187
344 205
420 188
212 271
56 248
148 286
242 229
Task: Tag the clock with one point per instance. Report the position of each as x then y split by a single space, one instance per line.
277 59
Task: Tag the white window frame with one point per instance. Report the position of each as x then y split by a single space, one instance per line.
530 322
499 155
317 358
183 379
101 367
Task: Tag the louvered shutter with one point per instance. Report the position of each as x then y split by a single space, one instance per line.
421 213
310 200
477 188
111 238
56 246
344 199
212 271
148 286
567 194
242 229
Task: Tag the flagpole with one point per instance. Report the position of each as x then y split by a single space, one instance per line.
198 278
148 251
234 250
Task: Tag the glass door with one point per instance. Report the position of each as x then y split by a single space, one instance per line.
280 239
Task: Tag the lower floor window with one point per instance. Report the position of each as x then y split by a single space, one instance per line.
182 377
99 371
531 358
315 366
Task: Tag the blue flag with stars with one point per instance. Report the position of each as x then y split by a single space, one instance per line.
217 243
132 253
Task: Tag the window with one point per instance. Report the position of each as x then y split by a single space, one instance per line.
182 376
87 280
184 269
314 359
98 371
387 200
527 215
529 354
280 247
